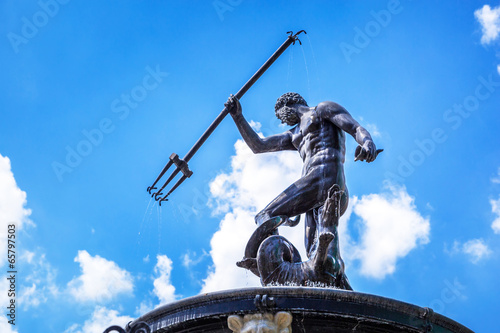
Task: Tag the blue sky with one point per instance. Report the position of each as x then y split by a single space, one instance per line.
97 95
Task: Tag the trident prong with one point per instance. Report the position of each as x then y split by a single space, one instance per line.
296 36
182 164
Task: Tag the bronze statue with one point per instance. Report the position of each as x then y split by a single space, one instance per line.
318 135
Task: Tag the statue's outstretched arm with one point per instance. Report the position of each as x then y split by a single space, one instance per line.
342 119
253 140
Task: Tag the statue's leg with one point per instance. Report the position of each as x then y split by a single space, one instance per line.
316 225
307 193
327 220
298 198
310 226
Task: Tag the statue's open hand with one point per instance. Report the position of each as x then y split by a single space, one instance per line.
234 106
367 152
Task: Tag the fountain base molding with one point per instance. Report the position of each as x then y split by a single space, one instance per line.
290 309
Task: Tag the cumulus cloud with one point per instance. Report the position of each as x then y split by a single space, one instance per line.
489 18
495 208
228 244
39 284
390 227
101 279
190 258
372 128
101 319
390 224
163 287
12 206
475 249
5 327
374 131
12 211
143 308
253 181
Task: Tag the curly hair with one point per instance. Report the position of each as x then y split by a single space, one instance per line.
286 115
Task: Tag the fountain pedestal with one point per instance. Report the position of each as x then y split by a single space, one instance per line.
313 310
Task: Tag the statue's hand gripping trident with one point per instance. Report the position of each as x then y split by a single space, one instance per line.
182 164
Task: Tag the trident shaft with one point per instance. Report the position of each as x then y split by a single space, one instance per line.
182 164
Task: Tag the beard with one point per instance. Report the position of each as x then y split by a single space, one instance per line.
287 116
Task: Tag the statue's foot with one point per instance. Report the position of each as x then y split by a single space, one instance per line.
331 208
325 239
342 282
319 260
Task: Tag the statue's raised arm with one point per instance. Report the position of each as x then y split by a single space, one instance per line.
257 144
339 116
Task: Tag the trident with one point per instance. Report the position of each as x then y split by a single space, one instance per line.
182 164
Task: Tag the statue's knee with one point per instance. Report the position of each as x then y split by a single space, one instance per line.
344 202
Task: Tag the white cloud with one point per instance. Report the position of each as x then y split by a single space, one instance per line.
391 227
144 308
228 245
39 284
373 130
101 279
255 125
190 258
254 180
475 249
101 319
489 18
74 328
31 297
12 206
28 256
495 208
498 70
12 211
163 287
5 327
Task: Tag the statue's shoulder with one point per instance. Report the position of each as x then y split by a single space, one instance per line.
328 109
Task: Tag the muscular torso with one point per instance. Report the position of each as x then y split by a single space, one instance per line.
320 143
